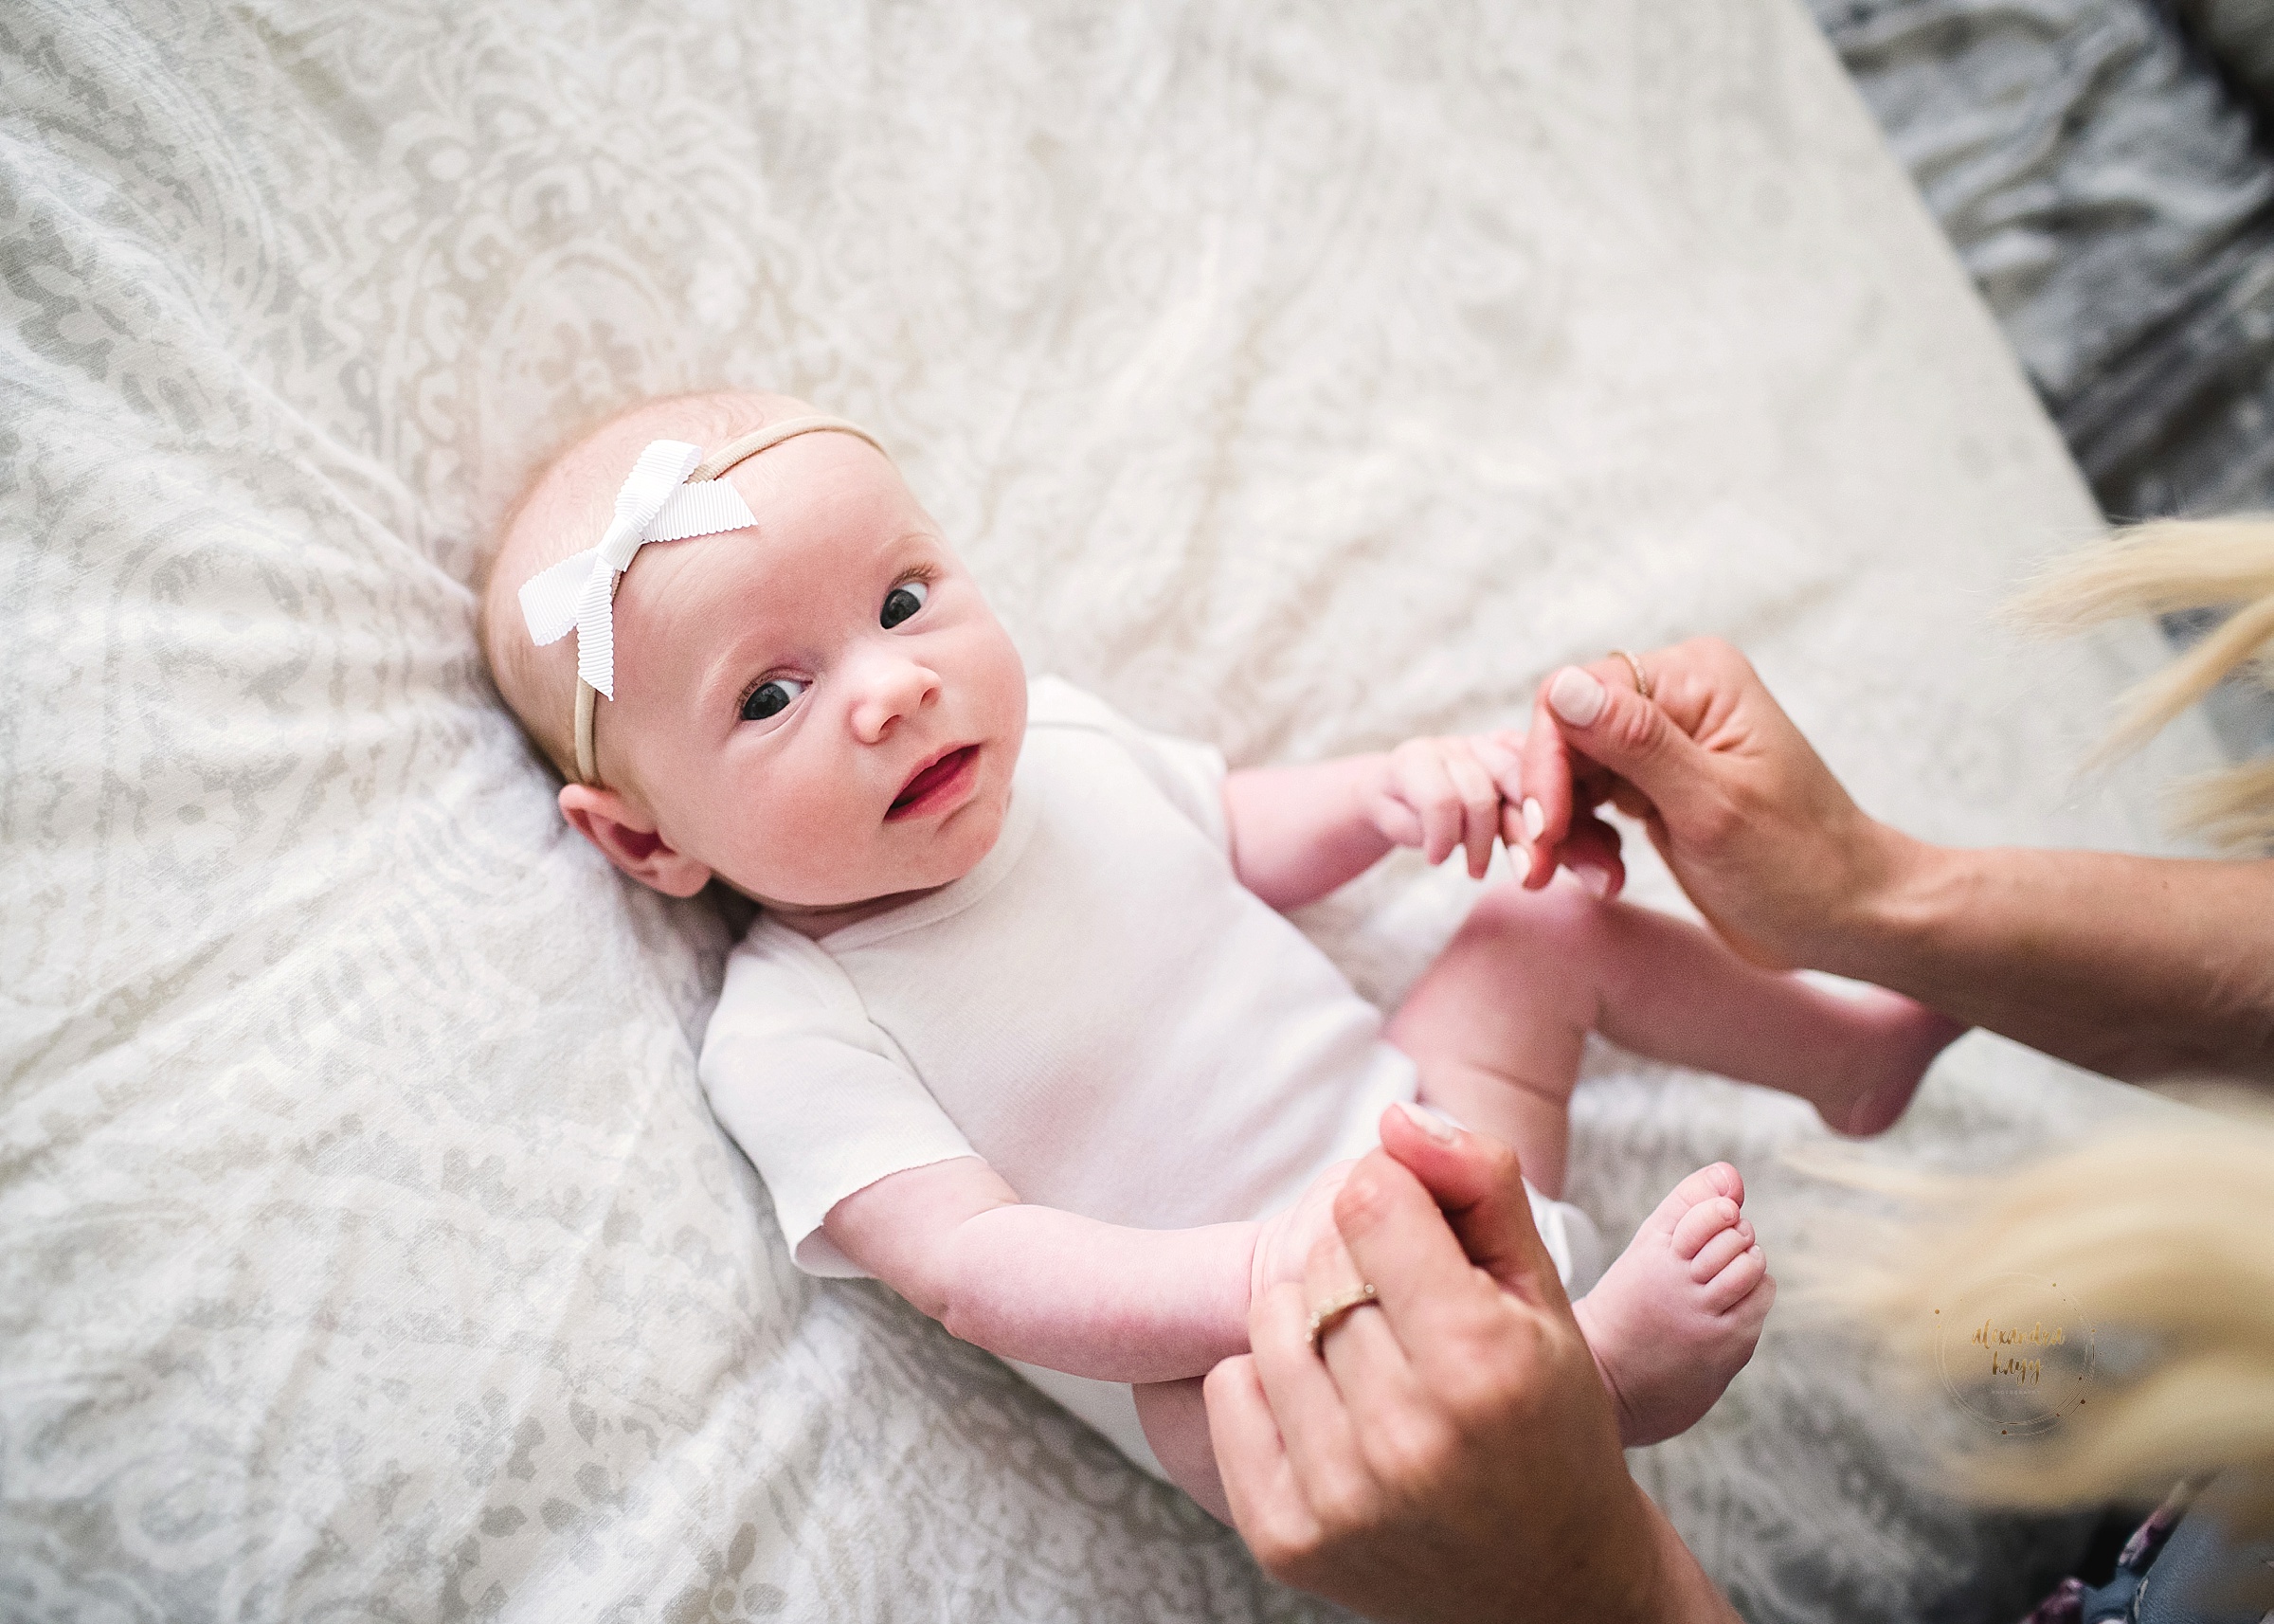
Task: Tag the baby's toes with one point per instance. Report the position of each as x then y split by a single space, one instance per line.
1715 1216
1738 1279
1721 1251
1706 1183
1717 1183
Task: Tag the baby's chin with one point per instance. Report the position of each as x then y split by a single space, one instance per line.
946 863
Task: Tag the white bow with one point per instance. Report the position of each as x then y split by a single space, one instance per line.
656 504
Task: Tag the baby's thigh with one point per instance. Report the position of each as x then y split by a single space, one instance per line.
1517 989
1175 1418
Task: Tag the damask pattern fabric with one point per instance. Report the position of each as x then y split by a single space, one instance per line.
1297 380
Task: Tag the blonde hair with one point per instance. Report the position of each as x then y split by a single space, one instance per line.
2173 566
2164 1237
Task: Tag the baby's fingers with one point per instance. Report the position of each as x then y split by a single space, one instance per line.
1399 824
1502 755
1480 803
1420 780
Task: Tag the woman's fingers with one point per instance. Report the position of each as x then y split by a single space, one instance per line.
1316 1426
1561 786
1625 731
1755 828
1544 814
1360 1352
1399 1433
1398 1238
1456 1454
1477 1185
1591 851
1267 1504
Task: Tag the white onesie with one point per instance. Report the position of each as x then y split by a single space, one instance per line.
1099 1009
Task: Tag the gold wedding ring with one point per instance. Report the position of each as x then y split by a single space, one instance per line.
1642 678
1329 1314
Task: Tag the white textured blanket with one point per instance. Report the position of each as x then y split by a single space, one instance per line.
1295 376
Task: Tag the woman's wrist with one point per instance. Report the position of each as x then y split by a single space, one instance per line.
1893 903
1657 1579
1683 1594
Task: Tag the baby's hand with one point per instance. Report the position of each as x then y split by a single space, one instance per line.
1442 794
1284 1247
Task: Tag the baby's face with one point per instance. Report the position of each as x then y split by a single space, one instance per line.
823 711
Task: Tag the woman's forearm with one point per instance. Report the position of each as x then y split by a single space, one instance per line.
2136 967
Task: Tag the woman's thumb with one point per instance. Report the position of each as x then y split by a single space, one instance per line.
1479 1188
1616 727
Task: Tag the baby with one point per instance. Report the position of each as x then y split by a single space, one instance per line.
1020 1028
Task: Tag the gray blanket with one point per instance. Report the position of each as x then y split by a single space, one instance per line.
2100 175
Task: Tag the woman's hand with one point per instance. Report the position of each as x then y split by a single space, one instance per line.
1764 839
1453 1455
2137 966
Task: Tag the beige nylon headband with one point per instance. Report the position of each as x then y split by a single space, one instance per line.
711 467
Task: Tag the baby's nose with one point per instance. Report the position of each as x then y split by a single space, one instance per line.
891 686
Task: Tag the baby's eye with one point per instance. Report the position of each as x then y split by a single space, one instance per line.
771 697
902 602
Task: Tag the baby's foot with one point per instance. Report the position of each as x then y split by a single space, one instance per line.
1902 1039
1677 1314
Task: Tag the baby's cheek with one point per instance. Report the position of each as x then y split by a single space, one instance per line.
743 829
800 850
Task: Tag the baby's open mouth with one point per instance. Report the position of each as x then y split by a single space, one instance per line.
936 785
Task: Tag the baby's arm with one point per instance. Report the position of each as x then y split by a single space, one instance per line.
1035 1284
1299 831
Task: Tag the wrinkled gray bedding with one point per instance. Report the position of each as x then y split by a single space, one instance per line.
2100 176
2101 166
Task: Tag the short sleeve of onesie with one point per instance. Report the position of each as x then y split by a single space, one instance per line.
810 1089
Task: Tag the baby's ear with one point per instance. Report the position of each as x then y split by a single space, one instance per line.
626 836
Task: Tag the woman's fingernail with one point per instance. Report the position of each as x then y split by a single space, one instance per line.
1576 696
1598 881
1534 820
1428 1121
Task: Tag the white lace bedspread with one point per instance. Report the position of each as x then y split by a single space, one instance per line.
1298 376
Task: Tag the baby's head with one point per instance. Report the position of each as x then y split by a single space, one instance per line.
819 709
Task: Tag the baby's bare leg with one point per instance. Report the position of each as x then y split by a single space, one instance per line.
1498 1023
1176 1425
